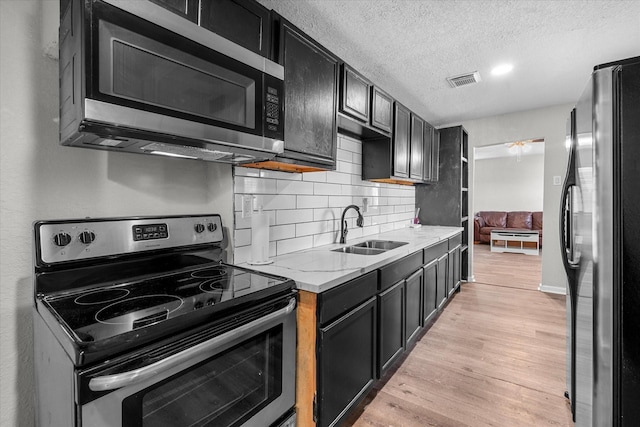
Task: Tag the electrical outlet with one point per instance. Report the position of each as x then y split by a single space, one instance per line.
247 205
365 205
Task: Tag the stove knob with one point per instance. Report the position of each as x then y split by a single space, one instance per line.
199 228
212 227
61 239
87 237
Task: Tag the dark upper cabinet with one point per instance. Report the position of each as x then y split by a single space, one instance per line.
311 86
401 129
186 8
427 153
245 22
416 148
381 110
355 91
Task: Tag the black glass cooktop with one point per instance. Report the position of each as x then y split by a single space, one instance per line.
111 310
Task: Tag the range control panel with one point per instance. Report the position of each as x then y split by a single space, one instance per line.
72 240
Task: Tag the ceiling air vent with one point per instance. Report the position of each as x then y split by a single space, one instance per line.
464 79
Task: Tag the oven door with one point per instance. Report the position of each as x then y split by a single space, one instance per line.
244 376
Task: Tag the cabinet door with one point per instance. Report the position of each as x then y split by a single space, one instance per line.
311 83
441 285
186 8
346 362
245 22
401 128
416 147
456 266
413 313
427 155
391 340
451 277
381 110
430 278
435 156
354 94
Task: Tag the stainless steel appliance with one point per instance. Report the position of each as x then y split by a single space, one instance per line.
135 77
600 238
138 322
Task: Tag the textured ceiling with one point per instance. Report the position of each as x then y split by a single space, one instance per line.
409 47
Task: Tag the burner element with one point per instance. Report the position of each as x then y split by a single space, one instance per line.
210 273
213 286
101 296
136 311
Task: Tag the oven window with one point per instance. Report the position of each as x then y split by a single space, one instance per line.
225 390
140 69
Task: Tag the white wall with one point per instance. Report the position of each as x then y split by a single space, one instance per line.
504 184
305 209
548 123
41 180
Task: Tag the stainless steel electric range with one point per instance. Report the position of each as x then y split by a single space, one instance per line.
139 322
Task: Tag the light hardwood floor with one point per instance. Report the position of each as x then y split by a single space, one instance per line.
495 357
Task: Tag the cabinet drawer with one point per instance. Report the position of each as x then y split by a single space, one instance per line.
338 300
398 270
435 251
455 240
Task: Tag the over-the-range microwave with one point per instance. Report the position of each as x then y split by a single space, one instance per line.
135 77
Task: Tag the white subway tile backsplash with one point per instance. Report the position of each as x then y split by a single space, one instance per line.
320 188
294 187
315 176
253 185
338 178
291 245
305 209
304 202
292 216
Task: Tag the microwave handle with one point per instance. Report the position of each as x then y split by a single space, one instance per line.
115 381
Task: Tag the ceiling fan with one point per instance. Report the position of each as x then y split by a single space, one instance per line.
521 146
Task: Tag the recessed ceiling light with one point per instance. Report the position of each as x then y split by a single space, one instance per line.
502 69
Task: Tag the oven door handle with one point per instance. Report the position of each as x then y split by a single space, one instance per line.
115 381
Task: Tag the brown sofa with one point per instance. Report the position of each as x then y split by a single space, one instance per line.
486 221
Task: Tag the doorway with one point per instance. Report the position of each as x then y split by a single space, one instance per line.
508 177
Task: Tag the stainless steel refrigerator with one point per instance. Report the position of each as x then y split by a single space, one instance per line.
600 238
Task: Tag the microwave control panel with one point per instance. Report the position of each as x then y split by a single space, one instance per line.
273 123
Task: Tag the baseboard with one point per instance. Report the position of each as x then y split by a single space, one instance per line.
561 290
469 279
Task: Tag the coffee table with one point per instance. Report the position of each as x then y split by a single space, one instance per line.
514 241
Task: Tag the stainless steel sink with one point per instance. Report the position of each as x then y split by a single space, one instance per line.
370 247
359 250
380 244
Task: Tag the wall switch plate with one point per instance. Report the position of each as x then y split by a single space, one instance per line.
247 205
557 180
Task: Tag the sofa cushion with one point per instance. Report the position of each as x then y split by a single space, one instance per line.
494 218
488 230
537 221
519 219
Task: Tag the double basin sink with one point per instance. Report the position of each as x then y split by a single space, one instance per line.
370 247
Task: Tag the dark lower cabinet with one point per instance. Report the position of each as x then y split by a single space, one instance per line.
346 362
441 285
430 277
413 313
391 305
456 266
451 272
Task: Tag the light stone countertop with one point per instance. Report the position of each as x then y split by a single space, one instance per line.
319 269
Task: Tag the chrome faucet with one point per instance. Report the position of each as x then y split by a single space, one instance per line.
343 223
